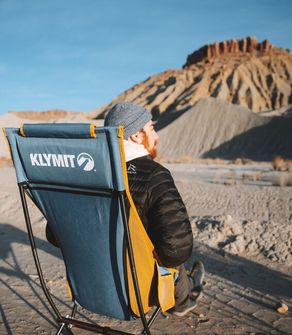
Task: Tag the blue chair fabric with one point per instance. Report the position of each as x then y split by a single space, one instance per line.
57 161
76 175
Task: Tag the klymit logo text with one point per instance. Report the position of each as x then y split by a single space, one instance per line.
84 160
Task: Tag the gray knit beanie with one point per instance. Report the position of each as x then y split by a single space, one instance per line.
129 115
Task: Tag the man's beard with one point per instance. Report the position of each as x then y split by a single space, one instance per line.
152 151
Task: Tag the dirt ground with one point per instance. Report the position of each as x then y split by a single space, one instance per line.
242 233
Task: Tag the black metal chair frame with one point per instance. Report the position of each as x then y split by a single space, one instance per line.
69 320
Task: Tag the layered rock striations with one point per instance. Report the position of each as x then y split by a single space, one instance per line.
243 72
248 45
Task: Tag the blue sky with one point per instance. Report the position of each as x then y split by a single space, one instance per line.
79 55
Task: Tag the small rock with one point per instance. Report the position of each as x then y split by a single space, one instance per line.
229 218
282 308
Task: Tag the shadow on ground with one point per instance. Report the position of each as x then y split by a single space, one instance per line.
229 271
12 276
243 272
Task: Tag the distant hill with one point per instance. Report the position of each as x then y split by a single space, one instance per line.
230 99
243 72
214 128
49 115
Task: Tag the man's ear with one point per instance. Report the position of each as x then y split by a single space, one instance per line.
136 138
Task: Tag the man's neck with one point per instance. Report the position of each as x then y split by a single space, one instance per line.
134 150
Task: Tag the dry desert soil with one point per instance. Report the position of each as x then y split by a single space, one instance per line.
242 233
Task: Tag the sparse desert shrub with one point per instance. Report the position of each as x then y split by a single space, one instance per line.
246 161
238 161
281 164
289 165
290 179
242 161
230 182
283 179
244 177
257 175
278 163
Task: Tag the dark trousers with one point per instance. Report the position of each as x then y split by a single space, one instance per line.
183 287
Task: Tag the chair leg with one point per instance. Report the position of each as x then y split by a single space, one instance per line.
63 328
60 329
74 310
152 319
63 325
153 316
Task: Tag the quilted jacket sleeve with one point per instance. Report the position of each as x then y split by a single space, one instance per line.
170 228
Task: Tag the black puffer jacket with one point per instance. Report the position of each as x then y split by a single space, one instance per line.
161 210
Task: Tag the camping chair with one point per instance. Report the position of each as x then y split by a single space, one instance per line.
76 175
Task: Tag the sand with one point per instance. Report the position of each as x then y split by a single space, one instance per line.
242 233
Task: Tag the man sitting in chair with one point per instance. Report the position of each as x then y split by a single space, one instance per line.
158 201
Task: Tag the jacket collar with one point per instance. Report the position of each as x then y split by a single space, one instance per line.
134 150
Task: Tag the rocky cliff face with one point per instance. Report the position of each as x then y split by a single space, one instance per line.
232 48
244 72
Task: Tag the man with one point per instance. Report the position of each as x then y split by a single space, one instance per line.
158 201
